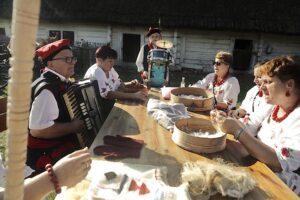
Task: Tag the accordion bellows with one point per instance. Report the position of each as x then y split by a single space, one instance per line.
205 104
188 141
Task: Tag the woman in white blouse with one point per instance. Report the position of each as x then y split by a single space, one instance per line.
254 108
278 140
225 87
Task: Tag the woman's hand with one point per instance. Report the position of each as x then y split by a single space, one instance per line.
230 125
223 123
237 114
141 95
72 168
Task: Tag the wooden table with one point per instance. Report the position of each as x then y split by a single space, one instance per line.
131 119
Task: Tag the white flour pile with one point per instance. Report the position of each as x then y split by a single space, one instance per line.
191 97
202 133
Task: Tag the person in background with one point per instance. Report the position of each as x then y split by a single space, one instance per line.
153 34
254 108
277 142
221 83
110 85
51 131
68 171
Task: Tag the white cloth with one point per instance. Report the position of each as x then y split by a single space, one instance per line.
140 59
284 138
226 93
150 181
166 114
44 109
261 108
106 85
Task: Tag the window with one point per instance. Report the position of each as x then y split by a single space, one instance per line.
55 34
2 31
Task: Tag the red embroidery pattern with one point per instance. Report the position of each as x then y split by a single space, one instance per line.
286 152
103 90
142 189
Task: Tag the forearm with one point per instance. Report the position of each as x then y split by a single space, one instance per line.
120 95
54 131
260 151
222 106
37 187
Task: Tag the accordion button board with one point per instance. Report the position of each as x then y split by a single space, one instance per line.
82 101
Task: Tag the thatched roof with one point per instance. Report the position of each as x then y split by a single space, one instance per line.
270 16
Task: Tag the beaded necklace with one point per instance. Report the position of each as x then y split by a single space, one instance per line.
280 119
216 83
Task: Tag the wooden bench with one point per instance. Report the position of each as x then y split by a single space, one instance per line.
3 102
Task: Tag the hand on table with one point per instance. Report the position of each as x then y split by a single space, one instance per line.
72 168
141 95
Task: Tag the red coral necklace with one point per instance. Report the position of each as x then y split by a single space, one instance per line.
216 83
280 119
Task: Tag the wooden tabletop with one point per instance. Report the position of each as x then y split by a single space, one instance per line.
131 119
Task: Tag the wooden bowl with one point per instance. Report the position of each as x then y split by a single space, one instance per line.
195 143
204 104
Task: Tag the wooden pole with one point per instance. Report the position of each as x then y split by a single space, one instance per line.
25 21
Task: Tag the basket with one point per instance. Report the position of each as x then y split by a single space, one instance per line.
205 104
195 143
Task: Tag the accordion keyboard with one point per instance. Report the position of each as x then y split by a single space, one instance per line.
82 102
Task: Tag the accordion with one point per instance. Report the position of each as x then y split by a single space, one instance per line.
83 102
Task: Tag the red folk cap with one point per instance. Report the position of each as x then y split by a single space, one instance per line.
152 30
48 51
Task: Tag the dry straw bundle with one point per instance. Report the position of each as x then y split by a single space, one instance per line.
207 179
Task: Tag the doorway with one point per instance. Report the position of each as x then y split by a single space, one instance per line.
69 35
242 53
131 47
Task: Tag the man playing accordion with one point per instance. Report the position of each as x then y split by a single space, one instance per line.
51 131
